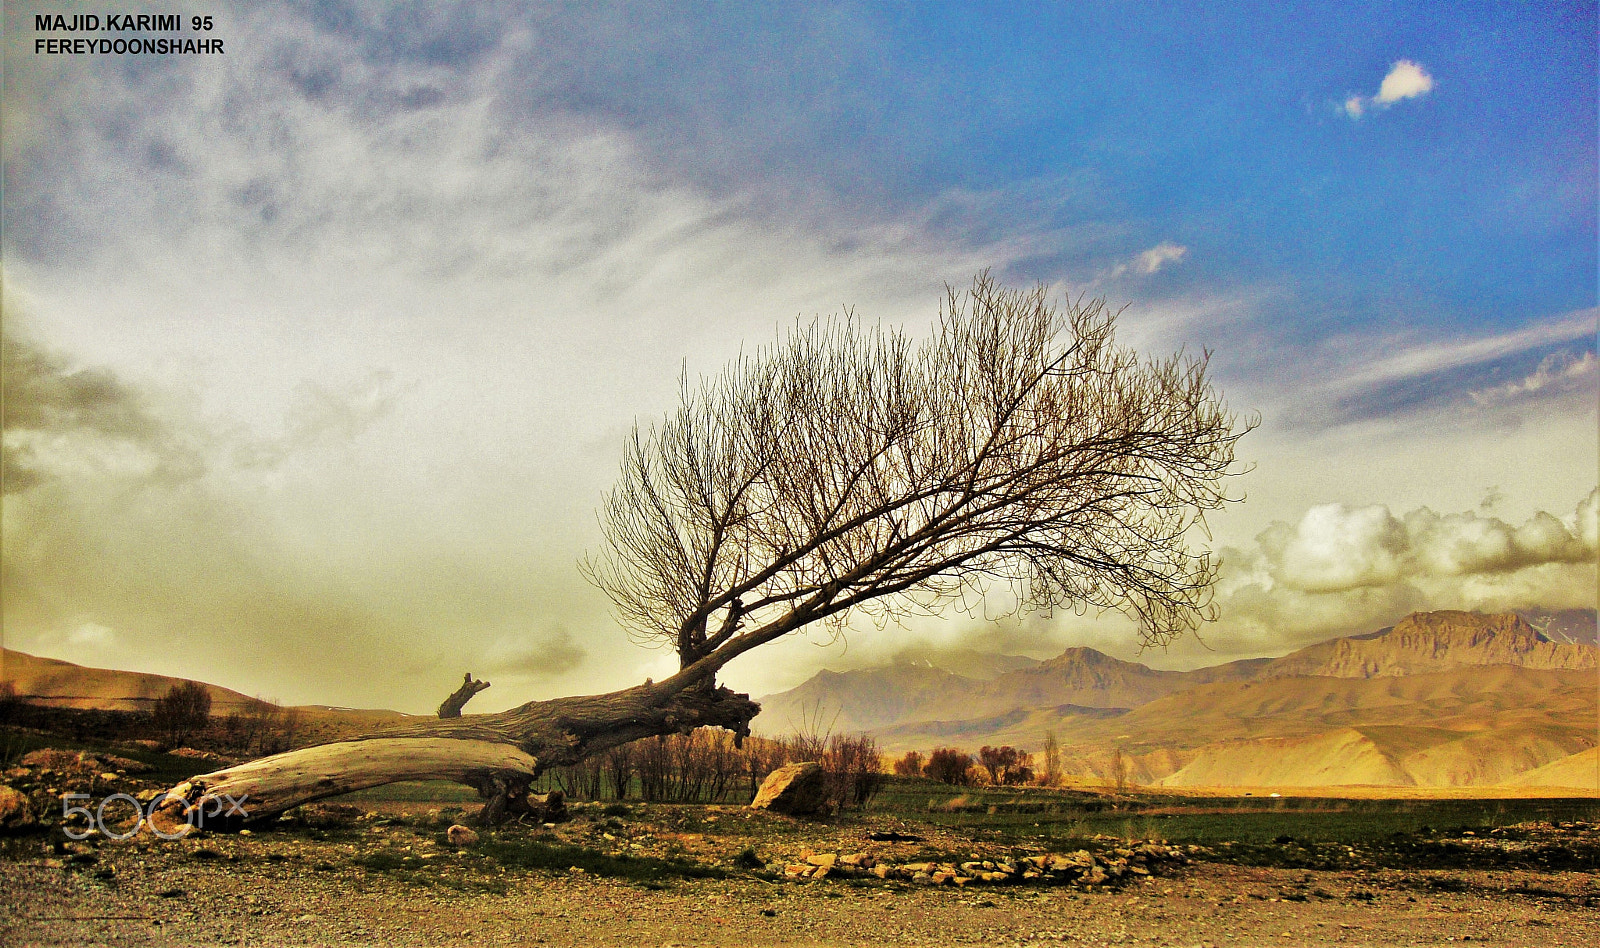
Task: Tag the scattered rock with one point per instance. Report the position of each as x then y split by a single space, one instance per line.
125 764
796 790
49 758
1080 868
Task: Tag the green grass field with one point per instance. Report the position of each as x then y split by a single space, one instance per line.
1050 814
1300 830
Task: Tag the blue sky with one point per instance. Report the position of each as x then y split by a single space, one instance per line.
376 295
1216 126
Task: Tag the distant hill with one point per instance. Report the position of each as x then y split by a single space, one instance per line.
54 682
1439 699
887 696
966 662
863 699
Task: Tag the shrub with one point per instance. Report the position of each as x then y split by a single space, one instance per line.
1006 765
183 710
910 765
855 769
948 765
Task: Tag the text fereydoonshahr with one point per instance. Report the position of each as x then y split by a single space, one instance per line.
104 47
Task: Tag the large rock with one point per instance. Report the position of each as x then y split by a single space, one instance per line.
796 790
15 813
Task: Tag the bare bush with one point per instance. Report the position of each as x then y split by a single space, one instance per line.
1052 760
949 765
910 765
184 710
259 727
854 766
1006 765
584 780
703 766
619 770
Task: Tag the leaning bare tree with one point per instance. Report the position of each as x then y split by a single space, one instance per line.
845 471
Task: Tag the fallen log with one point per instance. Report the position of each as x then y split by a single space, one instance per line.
499 755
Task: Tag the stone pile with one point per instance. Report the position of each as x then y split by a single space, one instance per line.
1081 868
30 793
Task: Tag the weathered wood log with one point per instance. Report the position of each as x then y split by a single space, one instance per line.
264 788
451 708
499 755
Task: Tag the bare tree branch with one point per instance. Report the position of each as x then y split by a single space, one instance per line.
451 708
849 470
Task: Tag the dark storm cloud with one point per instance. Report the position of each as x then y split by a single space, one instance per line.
49 401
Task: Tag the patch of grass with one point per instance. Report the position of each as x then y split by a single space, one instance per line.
748 859
984 814
384 861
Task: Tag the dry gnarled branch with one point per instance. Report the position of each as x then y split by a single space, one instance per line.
451 708
849 470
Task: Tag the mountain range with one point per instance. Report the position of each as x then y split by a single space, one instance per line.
1440 699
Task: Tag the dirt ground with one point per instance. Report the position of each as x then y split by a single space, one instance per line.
273 889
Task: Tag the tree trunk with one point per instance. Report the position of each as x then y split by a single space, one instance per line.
499 755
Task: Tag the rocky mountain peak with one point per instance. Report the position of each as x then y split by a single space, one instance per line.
1425 642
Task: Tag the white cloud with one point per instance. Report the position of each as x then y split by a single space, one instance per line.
1345 368
92 635
1406 80
1333 548
1557 368
1149 261
1152 260
1344 568
1585 522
